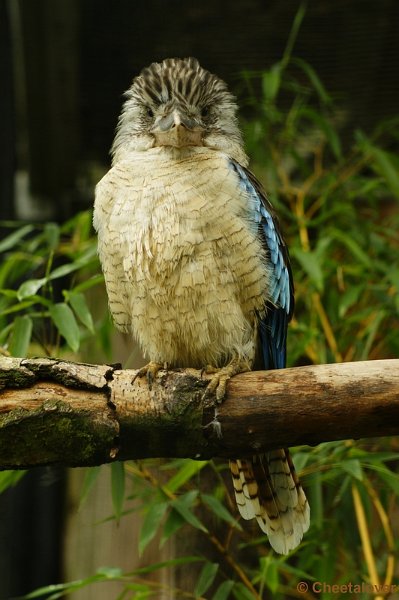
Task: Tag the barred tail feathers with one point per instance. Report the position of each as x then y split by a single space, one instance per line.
267 488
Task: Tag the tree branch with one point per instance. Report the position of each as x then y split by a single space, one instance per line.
58 412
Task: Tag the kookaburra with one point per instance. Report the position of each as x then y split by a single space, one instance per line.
195 266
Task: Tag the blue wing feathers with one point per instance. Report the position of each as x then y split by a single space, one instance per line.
280 295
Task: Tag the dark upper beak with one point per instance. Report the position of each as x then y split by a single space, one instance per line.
177 129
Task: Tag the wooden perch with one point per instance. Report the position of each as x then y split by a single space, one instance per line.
57 412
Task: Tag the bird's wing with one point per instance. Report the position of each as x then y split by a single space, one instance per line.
110 253
266 485
280 295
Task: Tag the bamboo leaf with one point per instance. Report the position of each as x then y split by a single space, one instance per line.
66 324
118 487
186 472
110 572
52 235
354 468
151 523
219 509
352 246
90 478
21 335
21 306
310 263
391 479
241 592
223 591
64 270
12 240
269 573
271 80
172 524
299 16
89 283
30 288
141 592
206 578
386 167
58 590
313 78
349 298
183 506
10 479
81 309
372 331
174 562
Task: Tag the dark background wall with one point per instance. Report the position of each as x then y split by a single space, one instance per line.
72 60
351 44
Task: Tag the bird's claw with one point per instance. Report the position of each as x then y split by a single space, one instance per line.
216 387
149 371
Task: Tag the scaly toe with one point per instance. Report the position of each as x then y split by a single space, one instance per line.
217 385
212 386
209 370
149 371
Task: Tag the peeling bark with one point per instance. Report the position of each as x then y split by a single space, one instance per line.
73 414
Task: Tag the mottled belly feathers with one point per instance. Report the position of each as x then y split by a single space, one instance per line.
184 267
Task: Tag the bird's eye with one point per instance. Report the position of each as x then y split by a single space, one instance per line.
150 112
205 111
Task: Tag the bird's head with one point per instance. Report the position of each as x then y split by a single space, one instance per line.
177 103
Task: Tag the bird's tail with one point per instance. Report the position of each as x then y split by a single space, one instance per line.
267 489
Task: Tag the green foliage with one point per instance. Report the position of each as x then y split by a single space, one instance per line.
107 574
118 487
44 273
338 201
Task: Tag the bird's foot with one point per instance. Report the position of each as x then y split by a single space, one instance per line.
149 371
217 385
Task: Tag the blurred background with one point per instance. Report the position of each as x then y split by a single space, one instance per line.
64 67
66 63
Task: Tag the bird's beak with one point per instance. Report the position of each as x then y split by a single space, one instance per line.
178 130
